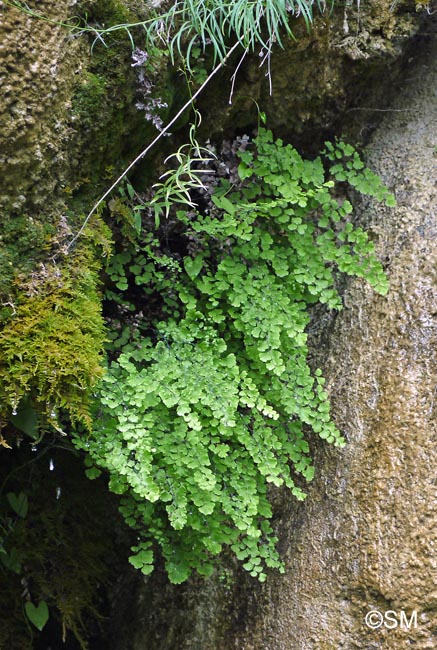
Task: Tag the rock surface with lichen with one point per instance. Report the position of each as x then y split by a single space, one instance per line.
352 58
65 112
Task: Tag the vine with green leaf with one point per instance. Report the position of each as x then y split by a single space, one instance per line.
208 397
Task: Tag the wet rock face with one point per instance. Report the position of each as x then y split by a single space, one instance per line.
39 62
365 538
349 59
67 115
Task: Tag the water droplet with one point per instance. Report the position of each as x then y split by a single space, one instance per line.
58 492
34 448
52 465
14 412
53 414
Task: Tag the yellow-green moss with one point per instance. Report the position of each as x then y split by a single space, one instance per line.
51 347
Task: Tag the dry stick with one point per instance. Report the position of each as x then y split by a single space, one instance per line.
149 146
234 76
269 70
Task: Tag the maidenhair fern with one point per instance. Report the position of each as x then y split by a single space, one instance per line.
207 405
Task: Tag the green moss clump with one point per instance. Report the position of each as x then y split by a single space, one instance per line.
51 347
88 97
109 127
113 12
23 241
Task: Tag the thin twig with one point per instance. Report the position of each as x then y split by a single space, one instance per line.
234 76
269 74
149 146
267 58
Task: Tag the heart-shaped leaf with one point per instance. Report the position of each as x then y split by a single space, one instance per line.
18 503
193 266
25 418
37 615
11 560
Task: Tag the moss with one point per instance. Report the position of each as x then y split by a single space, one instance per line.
22 245
52 336
88 97
109 128
102 107
69 109
113 12
51 347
